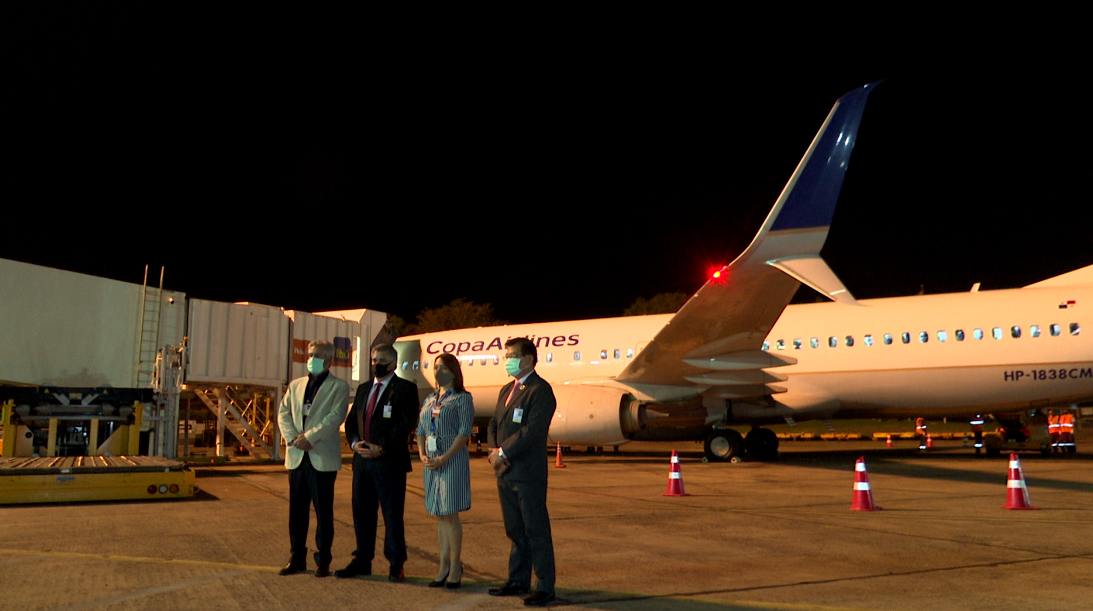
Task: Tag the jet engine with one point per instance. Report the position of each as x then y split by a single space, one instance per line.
595 415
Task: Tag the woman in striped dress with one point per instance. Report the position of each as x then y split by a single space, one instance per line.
443 429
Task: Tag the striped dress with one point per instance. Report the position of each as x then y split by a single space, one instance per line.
448 490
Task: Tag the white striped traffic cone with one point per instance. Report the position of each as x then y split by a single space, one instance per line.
863 495
675 478
1016 490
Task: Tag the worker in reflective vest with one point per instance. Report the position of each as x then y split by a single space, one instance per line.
1066 431
977 430
920 430
1053 429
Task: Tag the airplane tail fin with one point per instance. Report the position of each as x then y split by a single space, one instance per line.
1079 277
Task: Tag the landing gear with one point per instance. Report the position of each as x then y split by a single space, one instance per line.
724 444
761 444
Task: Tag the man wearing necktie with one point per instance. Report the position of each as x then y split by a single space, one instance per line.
518 452
378 427
309 416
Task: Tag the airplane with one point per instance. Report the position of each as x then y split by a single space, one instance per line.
738 353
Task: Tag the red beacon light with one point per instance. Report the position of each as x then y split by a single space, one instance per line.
719 275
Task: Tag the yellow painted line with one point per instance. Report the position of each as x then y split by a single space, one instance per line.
115 558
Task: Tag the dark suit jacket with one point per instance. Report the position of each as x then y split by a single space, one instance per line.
524 443
390 433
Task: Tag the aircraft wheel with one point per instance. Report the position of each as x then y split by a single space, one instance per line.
724 444
761 444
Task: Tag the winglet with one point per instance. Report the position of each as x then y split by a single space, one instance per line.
807 203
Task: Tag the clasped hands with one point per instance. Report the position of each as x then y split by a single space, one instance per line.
499 463
368 450
301 443
433 464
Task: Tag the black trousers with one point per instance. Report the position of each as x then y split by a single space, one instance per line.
527 524
306 487
374 488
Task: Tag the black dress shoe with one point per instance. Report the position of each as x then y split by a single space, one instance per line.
352 570
454 585
292 568
439 583
539 599
509 589
396 575
323 570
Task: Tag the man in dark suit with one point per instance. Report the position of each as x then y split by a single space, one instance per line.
518 453
377 429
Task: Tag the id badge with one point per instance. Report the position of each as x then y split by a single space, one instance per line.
307 409
387 411
430 441
518 415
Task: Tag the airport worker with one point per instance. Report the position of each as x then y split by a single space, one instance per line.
1066 431
443 429
517 438
378 430
920 430
977 430
309 417
1053 429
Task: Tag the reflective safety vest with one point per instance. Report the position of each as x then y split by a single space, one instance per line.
920 426
1053 424
1066 423
977 425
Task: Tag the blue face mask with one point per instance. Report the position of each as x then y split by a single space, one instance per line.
512 366
314 365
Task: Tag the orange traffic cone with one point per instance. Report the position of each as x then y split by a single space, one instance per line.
863 496
888 442
558 464
675 478
929 442
1016 491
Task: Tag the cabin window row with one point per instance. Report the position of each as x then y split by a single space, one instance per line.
469 361
923 337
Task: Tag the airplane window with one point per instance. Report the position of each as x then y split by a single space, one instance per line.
425 365
618 353
405 365
577 355
814 342
849 340
832 341
780 344
996 333
482 361
797 344
1034 330
603 354
942 336
1075 328
868 340
959 335
905 337
977 334
470 361
416 363
1015 332
1054 330
766 346
629 353
887 339
923 337
550 357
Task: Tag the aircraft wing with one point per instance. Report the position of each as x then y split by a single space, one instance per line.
714 342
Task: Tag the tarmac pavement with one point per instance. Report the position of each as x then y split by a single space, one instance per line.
775 535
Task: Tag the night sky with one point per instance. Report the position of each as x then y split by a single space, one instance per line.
560 187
